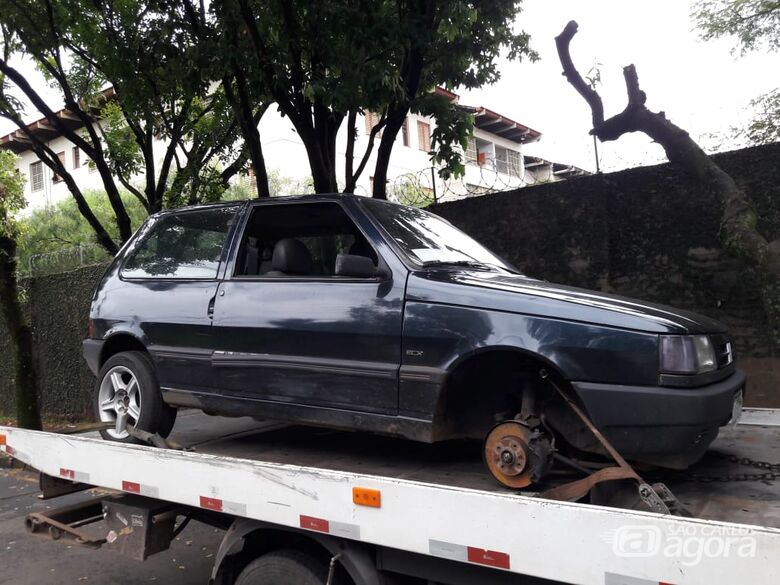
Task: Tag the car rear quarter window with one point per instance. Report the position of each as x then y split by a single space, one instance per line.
184 245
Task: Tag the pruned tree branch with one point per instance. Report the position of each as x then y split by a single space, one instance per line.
738 228
590 95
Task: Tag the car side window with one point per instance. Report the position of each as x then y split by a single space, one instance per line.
184 245
299 240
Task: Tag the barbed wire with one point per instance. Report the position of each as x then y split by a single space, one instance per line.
424 187
64 260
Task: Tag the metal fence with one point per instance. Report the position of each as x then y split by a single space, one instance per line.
64 259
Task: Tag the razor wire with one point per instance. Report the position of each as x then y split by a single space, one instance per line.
64 259
424 187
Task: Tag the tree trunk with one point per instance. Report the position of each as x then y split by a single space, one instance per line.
739 234
247 120
395 121
349 155
322 175
25 380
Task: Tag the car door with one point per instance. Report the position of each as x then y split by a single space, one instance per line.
310 339
169 280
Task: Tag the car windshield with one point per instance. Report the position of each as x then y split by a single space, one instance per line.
429 240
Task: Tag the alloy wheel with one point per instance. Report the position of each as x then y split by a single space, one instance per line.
119 398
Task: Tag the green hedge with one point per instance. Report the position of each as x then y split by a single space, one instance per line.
58 306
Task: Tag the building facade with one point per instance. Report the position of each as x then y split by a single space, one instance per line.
494 160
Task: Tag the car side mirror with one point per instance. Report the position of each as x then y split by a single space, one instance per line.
356 266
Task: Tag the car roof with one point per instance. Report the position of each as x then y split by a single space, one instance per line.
270 200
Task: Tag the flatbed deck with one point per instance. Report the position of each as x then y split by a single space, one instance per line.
437 501
459 464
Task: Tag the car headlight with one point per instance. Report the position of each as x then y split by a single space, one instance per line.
687 354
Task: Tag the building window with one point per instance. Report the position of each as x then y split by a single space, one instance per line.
471 151
423 136
252 179
56 178
372 119
515 163
508 161
405 132
36 176
76 157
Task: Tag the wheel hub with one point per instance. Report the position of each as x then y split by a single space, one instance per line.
512 457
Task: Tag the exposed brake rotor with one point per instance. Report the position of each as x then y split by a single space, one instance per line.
516 455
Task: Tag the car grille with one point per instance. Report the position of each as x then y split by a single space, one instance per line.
724 350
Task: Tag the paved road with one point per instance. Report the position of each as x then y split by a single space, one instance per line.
35 560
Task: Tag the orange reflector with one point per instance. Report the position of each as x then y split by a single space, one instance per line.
367 497
2 439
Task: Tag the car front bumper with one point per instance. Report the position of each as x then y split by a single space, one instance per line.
671 427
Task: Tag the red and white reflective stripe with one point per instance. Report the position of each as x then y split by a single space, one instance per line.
342 529
18 455
615 579
218 505
471 554
74 475
141 489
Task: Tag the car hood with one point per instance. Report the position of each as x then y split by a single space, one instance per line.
520 294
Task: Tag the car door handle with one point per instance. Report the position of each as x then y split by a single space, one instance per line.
211 307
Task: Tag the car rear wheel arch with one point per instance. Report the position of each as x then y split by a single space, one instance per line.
118 343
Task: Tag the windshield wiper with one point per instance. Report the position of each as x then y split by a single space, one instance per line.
469 264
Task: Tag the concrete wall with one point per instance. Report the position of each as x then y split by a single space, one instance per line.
647 233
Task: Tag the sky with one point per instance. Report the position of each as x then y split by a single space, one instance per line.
702 86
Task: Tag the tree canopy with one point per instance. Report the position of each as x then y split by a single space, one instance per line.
755 25
128 74
200 76
11 194
324 62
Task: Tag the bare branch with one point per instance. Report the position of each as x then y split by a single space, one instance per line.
591 96
636 97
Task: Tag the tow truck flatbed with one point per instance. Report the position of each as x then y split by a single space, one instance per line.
437 502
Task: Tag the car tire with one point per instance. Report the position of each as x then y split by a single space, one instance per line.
285 567
127 389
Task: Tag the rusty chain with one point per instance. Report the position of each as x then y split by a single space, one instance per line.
771 472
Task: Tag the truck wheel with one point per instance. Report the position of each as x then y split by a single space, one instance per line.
285 567
127 394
